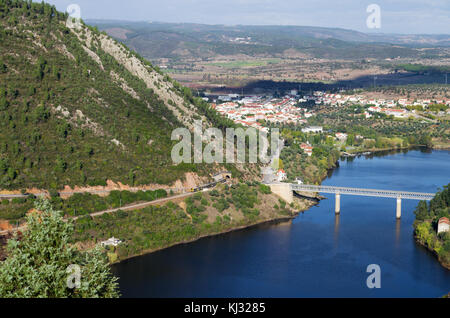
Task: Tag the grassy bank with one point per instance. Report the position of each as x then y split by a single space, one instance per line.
225 209
426 224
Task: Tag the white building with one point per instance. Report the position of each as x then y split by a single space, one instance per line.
313 129
112 241
443 225
341 136
281 175
224 98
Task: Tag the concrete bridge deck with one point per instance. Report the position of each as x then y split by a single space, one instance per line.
285 191
363 192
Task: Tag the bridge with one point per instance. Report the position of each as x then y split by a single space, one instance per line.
285 191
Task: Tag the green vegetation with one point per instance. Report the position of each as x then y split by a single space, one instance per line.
250 63
425 225
15 209
86 203
79 203
298 164
66 120
189 41
205 213
38 261
380 131
420 68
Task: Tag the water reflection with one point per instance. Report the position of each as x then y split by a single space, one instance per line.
337 220
397 232
383 153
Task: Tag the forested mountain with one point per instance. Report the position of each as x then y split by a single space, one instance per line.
188 40
78 108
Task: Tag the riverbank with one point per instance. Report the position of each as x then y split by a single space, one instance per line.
406 148
426 226
210 223
432 251
436 145
441 147
274 220
222 210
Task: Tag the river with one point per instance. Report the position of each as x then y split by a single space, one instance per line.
317 254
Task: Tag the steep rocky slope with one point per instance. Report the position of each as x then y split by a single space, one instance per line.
78 108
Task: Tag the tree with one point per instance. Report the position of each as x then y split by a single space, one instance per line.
39 263
3 67
3 103
350 140
421 211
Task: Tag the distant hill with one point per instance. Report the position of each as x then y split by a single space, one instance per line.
185 40
78 108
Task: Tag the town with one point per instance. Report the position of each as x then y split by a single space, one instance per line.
261 112
252 111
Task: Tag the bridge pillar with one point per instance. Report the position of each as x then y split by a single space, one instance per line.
399 208
338 203
284 191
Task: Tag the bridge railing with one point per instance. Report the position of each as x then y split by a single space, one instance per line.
363 192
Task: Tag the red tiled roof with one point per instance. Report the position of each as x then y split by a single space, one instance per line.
444 220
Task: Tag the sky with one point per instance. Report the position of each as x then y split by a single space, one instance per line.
396 16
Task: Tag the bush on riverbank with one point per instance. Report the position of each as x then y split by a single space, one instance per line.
426 223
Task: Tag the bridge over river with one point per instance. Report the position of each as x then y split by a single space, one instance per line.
285 191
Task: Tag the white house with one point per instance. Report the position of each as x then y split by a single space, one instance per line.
313 129
281 175
443 225
307 148
341 136
112 241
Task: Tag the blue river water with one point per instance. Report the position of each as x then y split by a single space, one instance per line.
318 254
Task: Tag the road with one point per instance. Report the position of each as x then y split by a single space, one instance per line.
269 175
139 205
124 208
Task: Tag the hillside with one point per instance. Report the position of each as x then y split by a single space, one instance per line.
78 108
186 40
